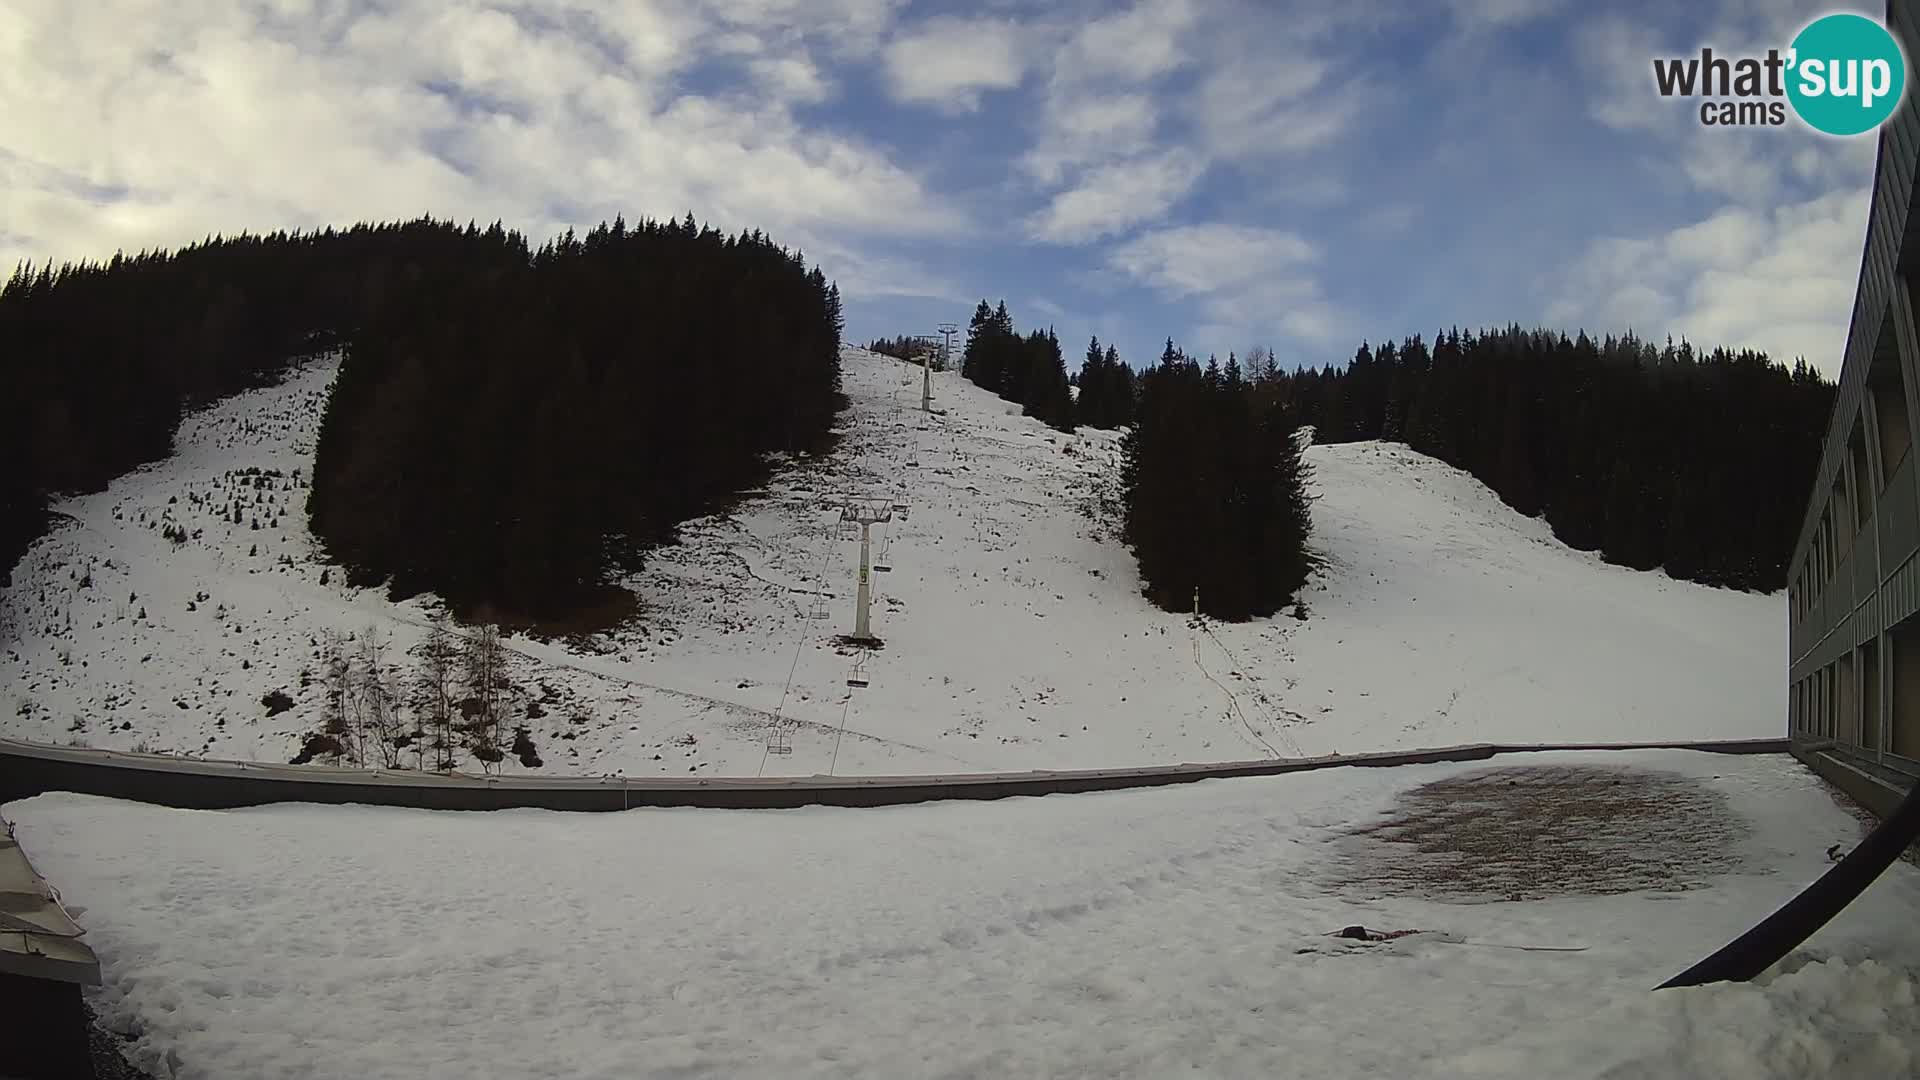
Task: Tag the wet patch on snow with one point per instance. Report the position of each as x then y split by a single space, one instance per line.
1534 832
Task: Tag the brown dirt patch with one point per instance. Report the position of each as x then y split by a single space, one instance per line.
1532 832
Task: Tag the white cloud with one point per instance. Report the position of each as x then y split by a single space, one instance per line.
1617 54
947 62
1776 265
791 79
1113 197
1779 280
1248 280
1190 259
1120 142
1048 308
1079 129
218 117
1252 109
1131 46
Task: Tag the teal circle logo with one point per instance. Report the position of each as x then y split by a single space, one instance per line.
1846 74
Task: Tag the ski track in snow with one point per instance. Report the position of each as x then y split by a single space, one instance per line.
1015 633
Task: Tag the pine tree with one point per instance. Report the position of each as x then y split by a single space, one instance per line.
1091 407
1121 391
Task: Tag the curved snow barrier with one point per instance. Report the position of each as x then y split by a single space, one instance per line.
1774 936
28 769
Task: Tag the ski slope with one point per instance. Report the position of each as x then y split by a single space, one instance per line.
1170 932
1015 636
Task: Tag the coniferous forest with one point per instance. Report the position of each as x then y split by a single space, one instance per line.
99 359
1028 371
1214 490
1656 457
907 348
508 428
1106 388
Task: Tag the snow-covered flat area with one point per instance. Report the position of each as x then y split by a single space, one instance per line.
1170 932
1015 636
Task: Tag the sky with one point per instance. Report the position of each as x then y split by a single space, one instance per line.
1296 175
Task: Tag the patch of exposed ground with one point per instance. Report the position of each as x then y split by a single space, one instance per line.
1533 832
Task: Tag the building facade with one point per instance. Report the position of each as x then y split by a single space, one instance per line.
1854 583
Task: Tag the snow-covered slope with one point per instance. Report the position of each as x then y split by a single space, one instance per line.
1014 632
1173 932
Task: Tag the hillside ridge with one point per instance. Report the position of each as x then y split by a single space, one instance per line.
1015 636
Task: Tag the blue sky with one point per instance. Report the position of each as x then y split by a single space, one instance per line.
1296 175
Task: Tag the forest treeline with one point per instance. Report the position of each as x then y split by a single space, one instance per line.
907 347
1213 498
1028 371
509 427
98 360
1654 456
1031 372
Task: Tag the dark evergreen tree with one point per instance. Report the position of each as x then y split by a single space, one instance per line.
1215 492
1120 393
1044 392
1090 405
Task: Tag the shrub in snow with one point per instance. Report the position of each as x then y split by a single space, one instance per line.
523 748
318 745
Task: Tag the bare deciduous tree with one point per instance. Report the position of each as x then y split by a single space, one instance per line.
1260 365
378 708
336 704
484 668
435 682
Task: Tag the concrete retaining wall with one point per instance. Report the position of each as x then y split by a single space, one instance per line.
28 769
1877 788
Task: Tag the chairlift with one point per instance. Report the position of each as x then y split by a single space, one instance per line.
856 681
778 743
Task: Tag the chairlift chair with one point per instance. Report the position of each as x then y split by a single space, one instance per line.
777 742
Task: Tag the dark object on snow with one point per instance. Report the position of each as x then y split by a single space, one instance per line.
1361 933
1774 936
318 745
1834 854
523 748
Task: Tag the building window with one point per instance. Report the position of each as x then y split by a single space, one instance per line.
1888 389
1842 516
1862 478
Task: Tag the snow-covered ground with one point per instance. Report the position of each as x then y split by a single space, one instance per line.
1176 931
1015 636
